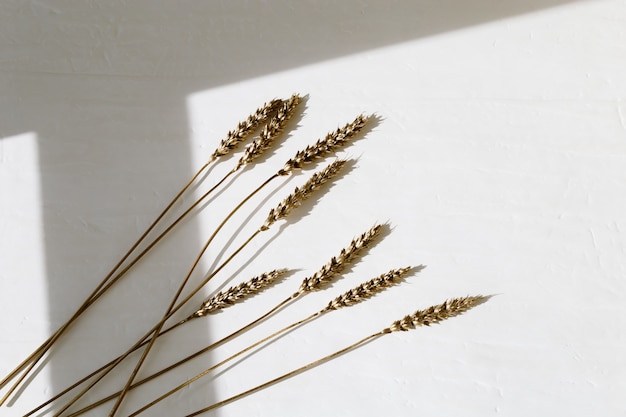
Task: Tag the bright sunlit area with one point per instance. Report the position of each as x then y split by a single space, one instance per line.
493 158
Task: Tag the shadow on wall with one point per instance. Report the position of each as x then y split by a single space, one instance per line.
104 86
218 43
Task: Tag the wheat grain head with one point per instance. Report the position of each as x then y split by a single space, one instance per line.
338 263
369 289
323 147
244 128
224 299
270 131
300 194
435 314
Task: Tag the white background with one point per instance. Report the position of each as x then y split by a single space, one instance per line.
498 161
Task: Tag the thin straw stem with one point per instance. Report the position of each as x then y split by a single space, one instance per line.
188 358
177 295
110 365
233 139
321 279
354 296
34 358
211 369
319 150
266 139
426 317
314 183
218 302
85 378
149 333
287 375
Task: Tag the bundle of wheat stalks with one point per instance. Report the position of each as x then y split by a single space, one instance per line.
267 123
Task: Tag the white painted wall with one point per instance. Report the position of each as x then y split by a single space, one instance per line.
498 162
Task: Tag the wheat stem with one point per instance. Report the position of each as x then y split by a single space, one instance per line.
112 364
319 280
309 187
426 317
321 148
234 137
211 369
356 295
250 287
109 366
178 306
34 357
253 151
285 376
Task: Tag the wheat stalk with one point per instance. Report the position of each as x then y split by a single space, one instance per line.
361 293
310 186
211 305
283 209
321 148
321 279
231 141
292 201
253 151
224 299
433 314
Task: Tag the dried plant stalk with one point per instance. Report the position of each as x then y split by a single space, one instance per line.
325 146
213 304
254 150
227 298
309 187
319 280
356 295
433 314
233 138
322 148
292 201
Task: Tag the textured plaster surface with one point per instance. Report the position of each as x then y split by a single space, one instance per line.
499 162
